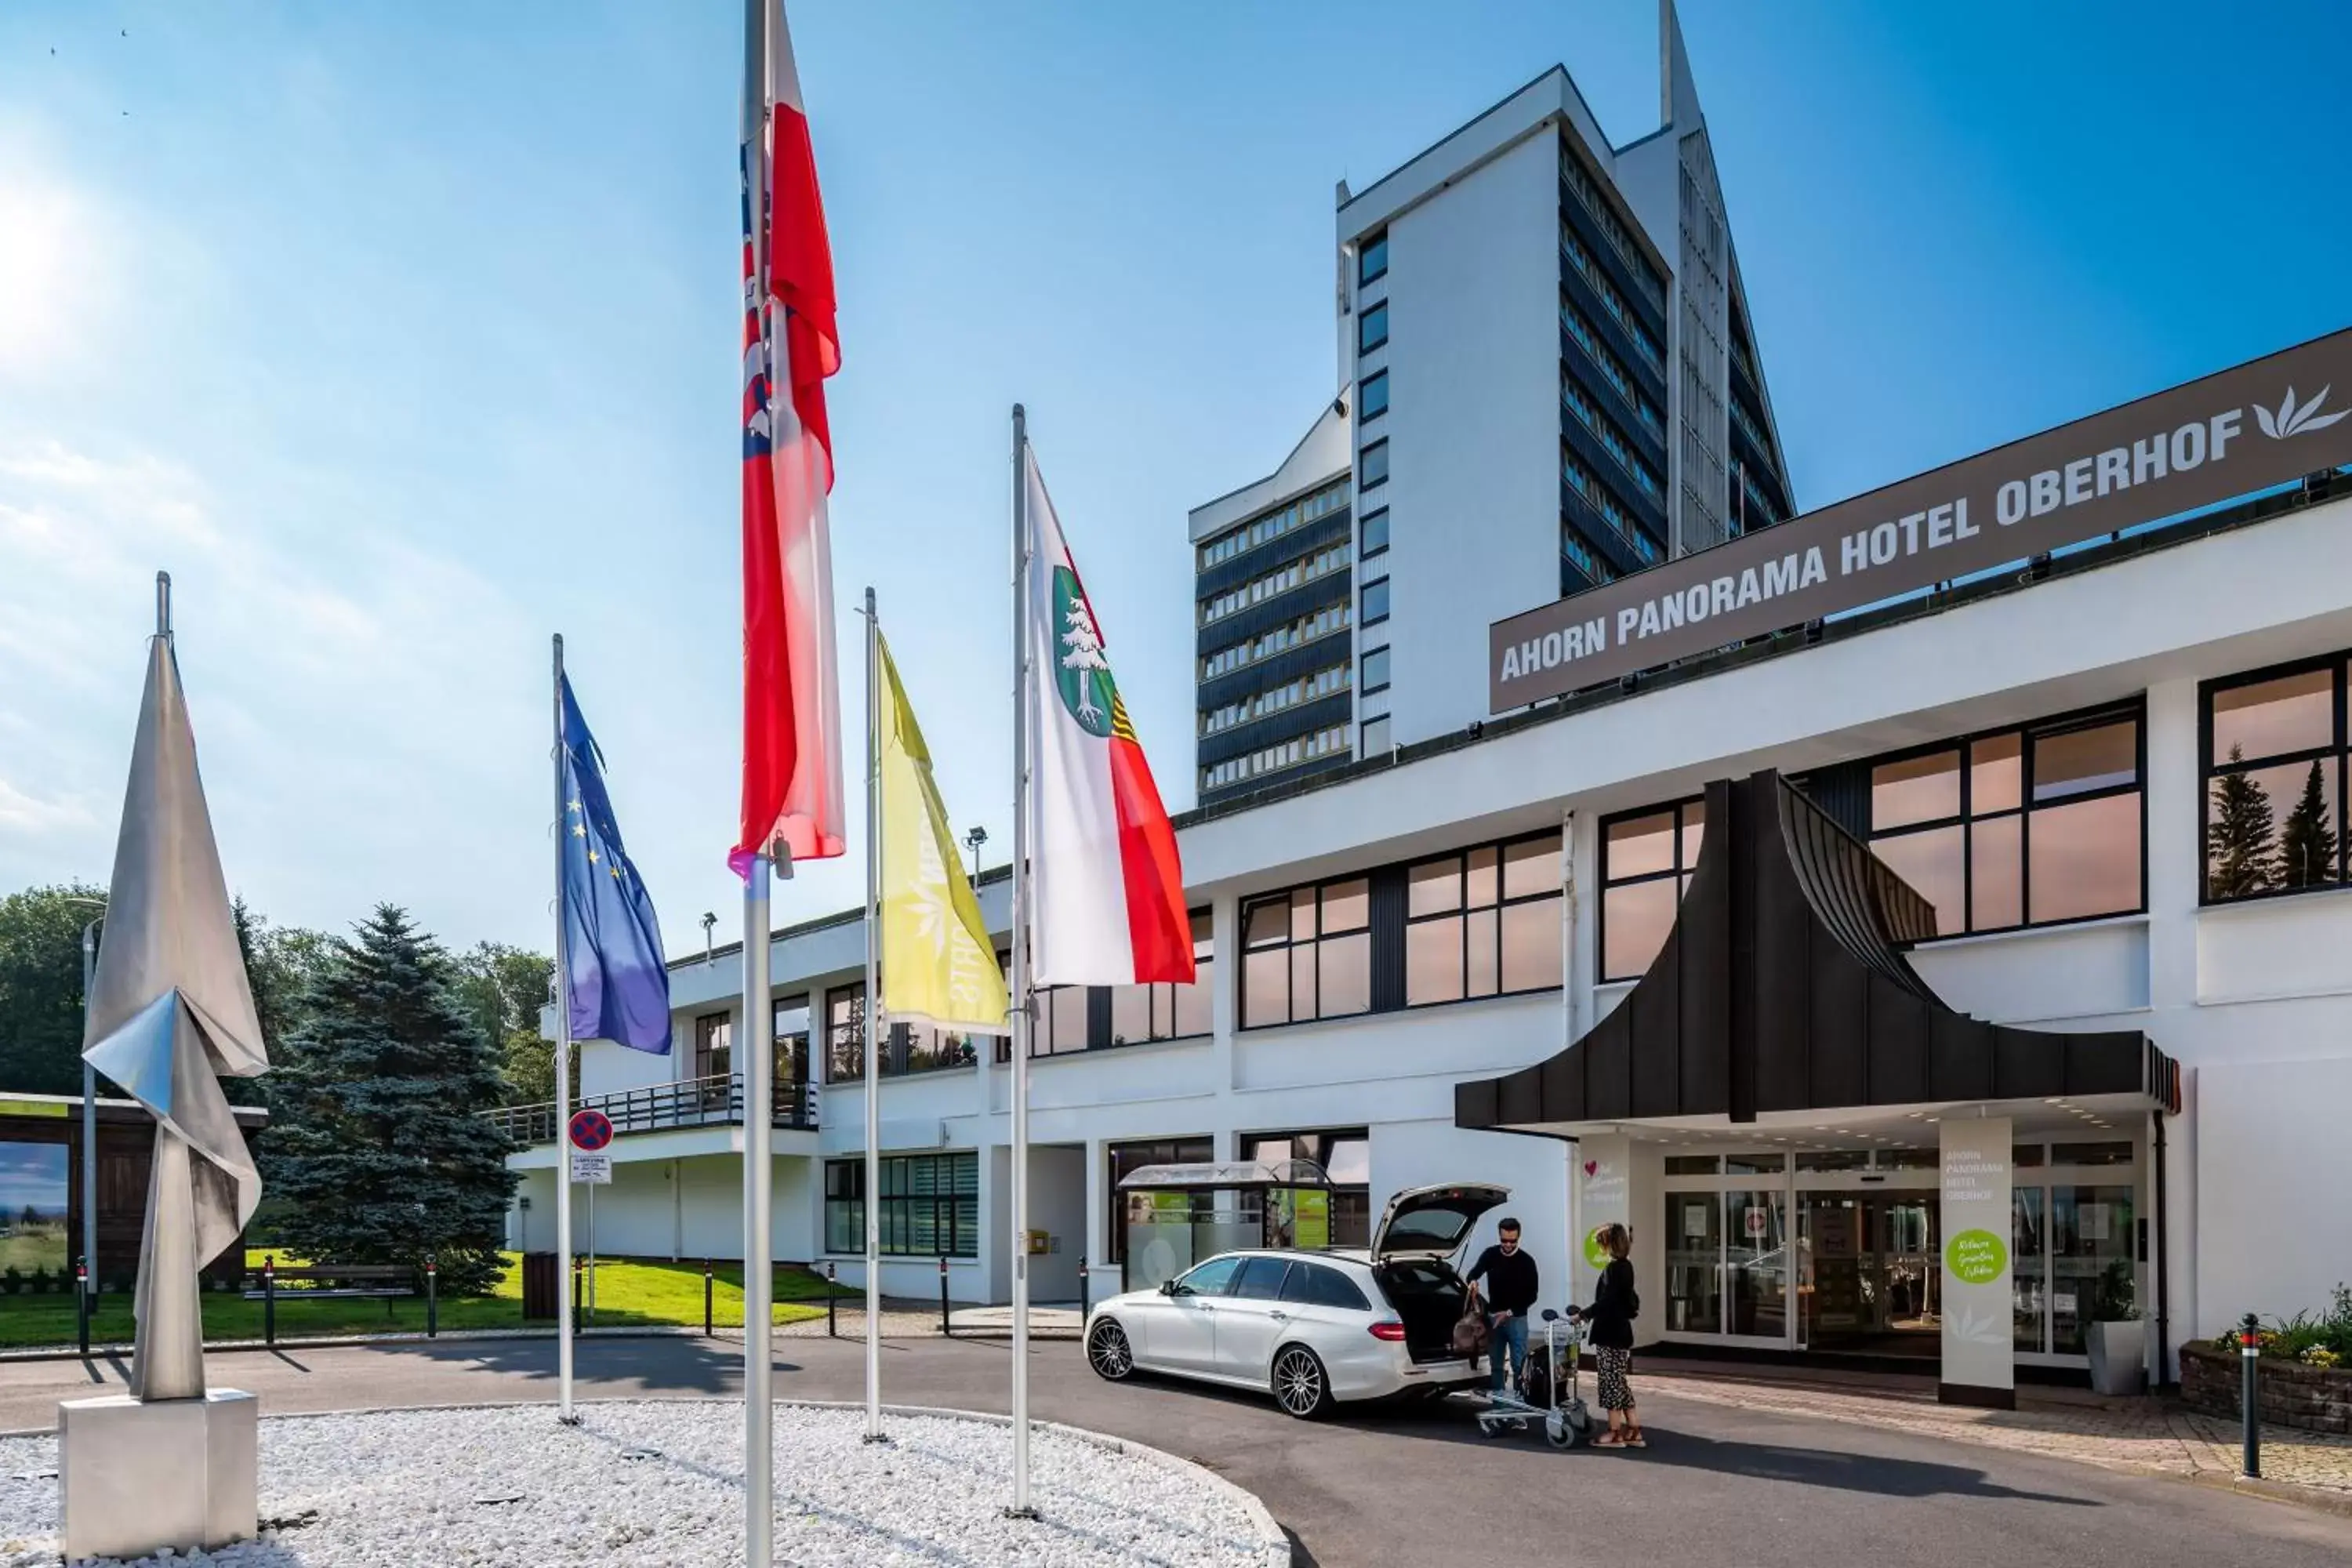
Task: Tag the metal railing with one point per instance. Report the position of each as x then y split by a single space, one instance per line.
713 1102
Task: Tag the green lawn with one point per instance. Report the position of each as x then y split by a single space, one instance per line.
629 1293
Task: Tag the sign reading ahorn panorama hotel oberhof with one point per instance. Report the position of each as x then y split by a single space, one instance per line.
2265 422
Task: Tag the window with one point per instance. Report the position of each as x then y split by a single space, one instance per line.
1483 923
1274 524
1281 580
1646 860
1375 670
1308 953
930 1208
1282 754
714 1036
1274 698
2019 827
1068 1015
2274 747
1375 464
1375 601
1372 328
1376 532
1373 397
1376 737
1261 1279
1344 1219
1372 261
1280 639
791 1037
1215 1277
1316 1285
845 1033
1126 1159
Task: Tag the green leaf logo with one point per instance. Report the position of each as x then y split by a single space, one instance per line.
1594 1253
1976 1257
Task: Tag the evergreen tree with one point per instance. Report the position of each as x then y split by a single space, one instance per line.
378 1148
40 986
2306 852
2239 838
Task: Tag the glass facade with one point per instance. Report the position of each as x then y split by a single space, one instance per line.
929 1205
2274 758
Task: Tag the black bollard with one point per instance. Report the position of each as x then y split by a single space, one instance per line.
830 1273
579 1287
944 1328
2250 1395
432 1298
270 1299
706 1297
81 1294
1083 1306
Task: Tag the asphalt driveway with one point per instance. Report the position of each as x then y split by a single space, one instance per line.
1408 1489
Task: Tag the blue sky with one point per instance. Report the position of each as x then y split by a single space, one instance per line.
404 335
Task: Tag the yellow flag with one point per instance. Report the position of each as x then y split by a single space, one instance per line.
938 966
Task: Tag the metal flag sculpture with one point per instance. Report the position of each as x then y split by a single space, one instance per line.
170 1013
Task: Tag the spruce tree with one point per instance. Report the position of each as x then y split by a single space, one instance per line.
377 1148
2306 854
2239 842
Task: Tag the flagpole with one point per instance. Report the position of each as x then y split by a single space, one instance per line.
872 1025
563 1411
1019 1001
759 1017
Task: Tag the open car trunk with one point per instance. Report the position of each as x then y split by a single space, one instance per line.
1427 1295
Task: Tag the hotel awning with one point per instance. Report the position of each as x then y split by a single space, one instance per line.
1783 986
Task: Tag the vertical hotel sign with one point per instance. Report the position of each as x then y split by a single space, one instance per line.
2265 423
1979 1356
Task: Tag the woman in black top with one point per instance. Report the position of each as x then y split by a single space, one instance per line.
1610 1322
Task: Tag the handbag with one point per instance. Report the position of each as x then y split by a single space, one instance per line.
1471 1331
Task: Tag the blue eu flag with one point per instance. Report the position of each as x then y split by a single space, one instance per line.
617 986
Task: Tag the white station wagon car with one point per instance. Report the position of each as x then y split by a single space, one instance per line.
1311 1327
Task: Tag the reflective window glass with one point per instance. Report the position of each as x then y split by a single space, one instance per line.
1531 946
2292 714
1932 862
1914 789
2084 859
1373 397
2081 761
1996 873
1261 1279
1432 961
1531 867
1641 845
1634 920
1996 774
1433 887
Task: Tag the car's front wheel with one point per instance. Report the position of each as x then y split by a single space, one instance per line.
1300 1385
1108 1352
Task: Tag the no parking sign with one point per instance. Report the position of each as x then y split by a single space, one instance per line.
590 1132
591 1129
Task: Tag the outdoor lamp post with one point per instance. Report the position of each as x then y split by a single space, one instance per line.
88 1107
973 841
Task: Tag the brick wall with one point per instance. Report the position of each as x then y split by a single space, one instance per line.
2310 1397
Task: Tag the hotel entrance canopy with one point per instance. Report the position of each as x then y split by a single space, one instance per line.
1783 988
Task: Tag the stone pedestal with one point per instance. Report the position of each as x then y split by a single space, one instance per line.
134 1476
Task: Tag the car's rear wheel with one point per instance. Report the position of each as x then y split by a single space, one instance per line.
1108 1352
1301 1385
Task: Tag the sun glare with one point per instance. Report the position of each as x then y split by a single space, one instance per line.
46 259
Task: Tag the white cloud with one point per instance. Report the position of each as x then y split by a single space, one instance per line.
26 815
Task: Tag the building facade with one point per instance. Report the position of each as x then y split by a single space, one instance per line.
2119 815
1547 373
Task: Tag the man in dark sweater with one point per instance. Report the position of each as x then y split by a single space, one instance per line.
1510 1276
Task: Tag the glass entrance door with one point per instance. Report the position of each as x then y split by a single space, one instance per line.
1869 1280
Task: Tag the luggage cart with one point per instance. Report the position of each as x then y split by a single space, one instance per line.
1564 1414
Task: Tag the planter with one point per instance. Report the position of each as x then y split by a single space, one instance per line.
2118 1357
2315 1399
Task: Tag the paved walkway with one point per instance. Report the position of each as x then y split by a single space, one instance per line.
1726 1478
2148 1434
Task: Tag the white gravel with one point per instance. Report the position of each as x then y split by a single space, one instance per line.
662 1483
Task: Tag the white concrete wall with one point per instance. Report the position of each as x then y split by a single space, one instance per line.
1472 430
2273 1166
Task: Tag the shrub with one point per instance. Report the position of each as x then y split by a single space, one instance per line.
2307 1337
12 1279
41 1282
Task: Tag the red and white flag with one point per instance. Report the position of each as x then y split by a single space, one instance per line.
1107 904
791 703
